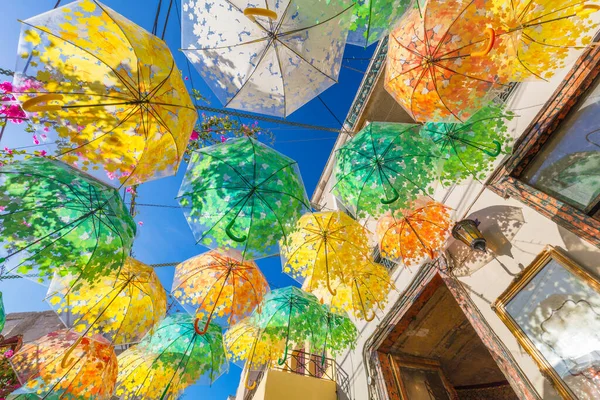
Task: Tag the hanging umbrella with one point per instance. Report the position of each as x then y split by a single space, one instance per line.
293 315
360 293
106 92
413 234
122 306
242 195
324 246
438 66
468 150
222 286
537 35
385 166
175 346
372 20
268 60
62 365
340 335
54 218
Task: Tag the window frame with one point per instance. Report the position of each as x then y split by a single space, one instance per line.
507 181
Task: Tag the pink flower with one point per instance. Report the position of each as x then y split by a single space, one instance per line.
8 151
141 223
8 353
186 78
43 153
35 140
2 208
223 139
27 224
46 129
195 135
6 87
130 189
111 175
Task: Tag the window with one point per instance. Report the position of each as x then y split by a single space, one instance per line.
568 165
387 263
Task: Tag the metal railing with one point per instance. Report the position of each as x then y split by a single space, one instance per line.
307 364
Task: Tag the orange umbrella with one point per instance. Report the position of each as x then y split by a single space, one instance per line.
414 234
63 364
437 64
219 285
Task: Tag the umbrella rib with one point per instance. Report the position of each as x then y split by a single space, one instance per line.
274 173
77 94
234 169
161 122
317 24
281 72
435 85
125 83
306 61
226 47
439 44
282 193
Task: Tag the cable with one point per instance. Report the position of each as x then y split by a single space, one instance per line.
155 26
167 20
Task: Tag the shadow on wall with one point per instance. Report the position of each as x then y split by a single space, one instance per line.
581 252
499 225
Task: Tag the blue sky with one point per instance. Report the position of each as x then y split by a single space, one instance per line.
165 235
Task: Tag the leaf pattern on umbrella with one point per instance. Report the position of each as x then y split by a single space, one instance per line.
416 233
433 69
122 306
242 195
324 247
373 18
2 313
384 167
219 286
469 149
106 92
341 333
54 218
49 370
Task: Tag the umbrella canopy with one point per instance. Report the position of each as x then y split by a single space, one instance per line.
122 306
292 315
361 293
373 18
414 234
340 335
469 149
64 365
268 60
54 218
324 247
437 67
2 314
195 358
385 166
242 195
106 92
537 35
215 285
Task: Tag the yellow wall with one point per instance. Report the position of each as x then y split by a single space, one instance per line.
281 385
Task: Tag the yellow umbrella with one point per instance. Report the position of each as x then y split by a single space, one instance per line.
122 306
107 93
324 247
361 293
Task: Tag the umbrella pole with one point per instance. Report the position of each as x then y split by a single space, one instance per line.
203 332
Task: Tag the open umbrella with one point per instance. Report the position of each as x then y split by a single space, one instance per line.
468 149
242 195
373 18
292 315
323 247
90 372
106 92
221 286
175 343
437 63
384 167
54 218
413 234
270 60
340 335
537 36
361 293
122 306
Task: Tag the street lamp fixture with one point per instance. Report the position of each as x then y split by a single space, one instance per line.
467 231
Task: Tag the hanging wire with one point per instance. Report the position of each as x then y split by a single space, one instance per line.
166 20
155 26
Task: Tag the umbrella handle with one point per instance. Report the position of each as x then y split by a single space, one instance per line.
252 12
281 361
65 362
371 318
232 235
249 387
197 329
586 9
33 104
491 34
496 152
393 199
332 291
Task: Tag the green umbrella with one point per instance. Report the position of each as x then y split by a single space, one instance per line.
341 333
293 315
469 149
242 195
54 218
2 314
170 359
373 18
384 167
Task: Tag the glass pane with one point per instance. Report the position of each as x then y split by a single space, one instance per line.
423 384
568 166
560 314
